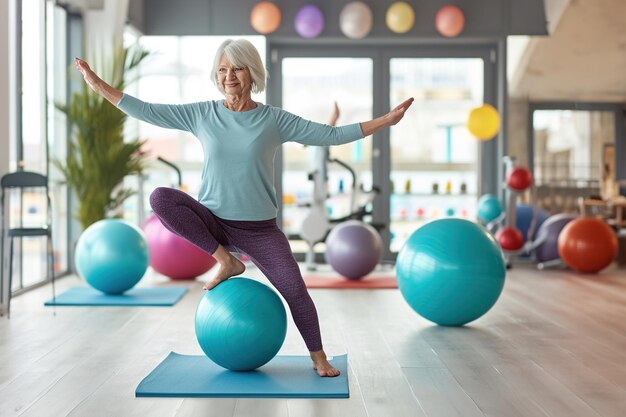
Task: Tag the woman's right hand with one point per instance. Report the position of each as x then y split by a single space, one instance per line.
90 77
97 84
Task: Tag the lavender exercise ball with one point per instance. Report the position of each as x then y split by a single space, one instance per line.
353 249
309 21
548 235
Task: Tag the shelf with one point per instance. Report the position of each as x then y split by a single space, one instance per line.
433 195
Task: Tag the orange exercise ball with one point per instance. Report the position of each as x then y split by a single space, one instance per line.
484 122
510 239
450 21
587 245
265 17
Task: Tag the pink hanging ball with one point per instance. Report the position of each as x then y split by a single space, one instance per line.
450 21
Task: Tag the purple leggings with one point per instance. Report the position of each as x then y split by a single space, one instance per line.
262 241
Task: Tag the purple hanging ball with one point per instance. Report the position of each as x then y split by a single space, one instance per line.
309 21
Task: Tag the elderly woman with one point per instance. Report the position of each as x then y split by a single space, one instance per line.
237 205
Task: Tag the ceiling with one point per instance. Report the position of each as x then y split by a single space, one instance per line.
584 58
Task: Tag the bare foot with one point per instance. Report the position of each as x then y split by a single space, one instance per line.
322 366
229 267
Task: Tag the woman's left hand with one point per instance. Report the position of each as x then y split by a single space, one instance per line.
395 115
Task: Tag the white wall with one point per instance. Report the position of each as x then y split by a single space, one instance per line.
104 31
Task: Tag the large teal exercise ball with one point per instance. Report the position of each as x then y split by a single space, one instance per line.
112 256
450 271
241 324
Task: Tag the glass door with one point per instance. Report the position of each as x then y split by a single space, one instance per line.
309 87
424 168
434 158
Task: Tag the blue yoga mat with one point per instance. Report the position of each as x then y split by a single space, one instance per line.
87 296
282 377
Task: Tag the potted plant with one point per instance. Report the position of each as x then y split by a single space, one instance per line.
98 157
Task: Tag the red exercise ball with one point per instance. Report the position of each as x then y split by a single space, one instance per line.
519 179
587 245
450 21
173 256
510 239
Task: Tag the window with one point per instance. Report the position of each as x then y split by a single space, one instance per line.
56 83
310 88
31 151
433 155
568 147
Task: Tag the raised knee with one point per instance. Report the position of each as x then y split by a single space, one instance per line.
158 197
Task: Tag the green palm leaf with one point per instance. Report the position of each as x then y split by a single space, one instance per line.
98 157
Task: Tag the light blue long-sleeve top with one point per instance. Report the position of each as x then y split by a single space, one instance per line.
239 149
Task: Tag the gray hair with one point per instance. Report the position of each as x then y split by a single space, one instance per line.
242 53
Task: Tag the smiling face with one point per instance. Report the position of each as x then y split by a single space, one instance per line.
233 80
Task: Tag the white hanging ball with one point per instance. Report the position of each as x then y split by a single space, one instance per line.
356 20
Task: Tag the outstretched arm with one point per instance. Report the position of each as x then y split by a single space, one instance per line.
171 116
393 117
294 128
97 84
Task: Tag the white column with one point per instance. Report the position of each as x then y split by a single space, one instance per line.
104 32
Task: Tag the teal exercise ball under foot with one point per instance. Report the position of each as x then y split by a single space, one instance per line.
112 256
241 324
450 271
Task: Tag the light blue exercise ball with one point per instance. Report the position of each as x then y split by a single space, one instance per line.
450 271
112 256
488 208
241 324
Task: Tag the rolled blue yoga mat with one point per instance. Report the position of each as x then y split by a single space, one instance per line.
283 377
87 296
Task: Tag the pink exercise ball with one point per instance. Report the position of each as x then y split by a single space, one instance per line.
173 256
450 21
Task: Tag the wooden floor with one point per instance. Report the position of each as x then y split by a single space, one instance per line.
553 345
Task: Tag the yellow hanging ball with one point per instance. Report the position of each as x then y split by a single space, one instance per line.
400 17
484 122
